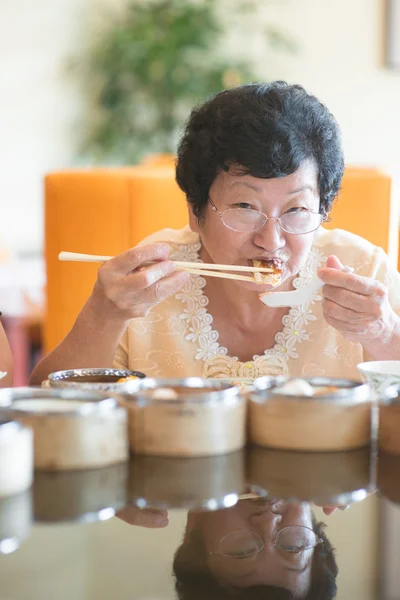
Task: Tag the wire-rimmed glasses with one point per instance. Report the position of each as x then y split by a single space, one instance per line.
244 543
248 219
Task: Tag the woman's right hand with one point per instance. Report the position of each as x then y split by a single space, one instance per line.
128 289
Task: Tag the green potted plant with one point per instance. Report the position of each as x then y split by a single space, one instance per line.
148 67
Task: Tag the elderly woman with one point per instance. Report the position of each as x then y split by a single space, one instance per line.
260 166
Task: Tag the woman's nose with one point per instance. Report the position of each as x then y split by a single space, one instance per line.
297 514
270 236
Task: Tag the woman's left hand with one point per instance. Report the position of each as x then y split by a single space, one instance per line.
148 517
356 306
329 509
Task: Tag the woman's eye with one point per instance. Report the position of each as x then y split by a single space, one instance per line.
242 205
297 209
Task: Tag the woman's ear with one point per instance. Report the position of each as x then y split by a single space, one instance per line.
193 222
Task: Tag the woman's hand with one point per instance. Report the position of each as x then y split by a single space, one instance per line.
147 517
357 306
329 510
129 289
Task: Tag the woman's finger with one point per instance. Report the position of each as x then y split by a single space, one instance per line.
356 302
350 281
148 276
348 315
167 286
135 257
150 518
345 326
332 262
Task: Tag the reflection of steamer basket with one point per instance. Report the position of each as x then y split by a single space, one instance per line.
389 476
15 521
85 496
322 478
202 483
335 416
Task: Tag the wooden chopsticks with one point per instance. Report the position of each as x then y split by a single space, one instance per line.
219 274
195 268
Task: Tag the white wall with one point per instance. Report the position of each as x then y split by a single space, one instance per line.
340 61
37 109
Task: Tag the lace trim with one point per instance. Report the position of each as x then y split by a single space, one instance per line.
198 323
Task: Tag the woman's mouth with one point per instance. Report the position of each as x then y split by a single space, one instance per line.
274 277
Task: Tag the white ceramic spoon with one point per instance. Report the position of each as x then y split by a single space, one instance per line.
296 297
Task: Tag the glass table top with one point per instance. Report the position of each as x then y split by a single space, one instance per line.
254 524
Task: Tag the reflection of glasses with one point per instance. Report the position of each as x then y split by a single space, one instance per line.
244 544
247 219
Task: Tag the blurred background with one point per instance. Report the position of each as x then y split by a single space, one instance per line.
55 55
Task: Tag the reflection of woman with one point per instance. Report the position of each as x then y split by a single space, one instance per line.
256 549
260 166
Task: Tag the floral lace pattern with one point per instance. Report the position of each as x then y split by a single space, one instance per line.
198 324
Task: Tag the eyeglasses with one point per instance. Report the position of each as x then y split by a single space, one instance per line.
247 219
244 544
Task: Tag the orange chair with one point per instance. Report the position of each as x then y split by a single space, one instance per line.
365 206
99 212
108 211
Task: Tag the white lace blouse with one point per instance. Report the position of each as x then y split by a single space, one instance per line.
177 338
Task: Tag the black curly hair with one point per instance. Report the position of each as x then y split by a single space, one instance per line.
266 130
194 580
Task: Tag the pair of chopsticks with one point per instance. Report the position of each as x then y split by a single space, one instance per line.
205 269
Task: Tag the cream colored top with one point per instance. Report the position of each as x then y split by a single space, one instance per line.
177 338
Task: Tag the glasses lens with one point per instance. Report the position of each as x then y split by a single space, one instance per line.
240 544
296 539
243 219
301 222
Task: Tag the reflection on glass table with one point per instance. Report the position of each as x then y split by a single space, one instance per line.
257 548
237 526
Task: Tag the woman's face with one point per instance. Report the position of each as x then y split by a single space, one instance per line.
273 197
271 566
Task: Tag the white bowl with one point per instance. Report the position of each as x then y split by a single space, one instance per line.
380 374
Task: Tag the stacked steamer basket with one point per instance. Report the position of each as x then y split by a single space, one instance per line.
318 414
185 417
72 429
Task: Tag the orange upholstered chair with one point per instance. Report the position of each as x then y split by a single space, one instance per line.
99 212
108 211
366 207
